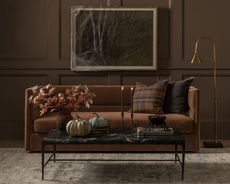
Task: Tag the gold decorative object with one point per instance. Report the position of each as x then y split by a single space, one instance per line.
196 60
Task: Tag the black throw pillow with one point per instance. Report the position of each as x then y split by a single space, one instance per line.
176 96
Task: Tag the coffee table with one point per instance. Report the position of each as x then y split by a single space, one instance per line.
116 136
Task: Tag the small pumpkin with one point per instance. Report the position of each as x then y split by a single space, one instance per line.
78 127
98 122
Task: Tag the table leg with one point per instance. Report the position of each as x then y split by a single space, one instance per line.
54 152
148 125
175 153
183 161
43 160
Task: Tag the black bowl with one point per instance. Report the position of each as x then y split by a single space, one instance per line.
157 119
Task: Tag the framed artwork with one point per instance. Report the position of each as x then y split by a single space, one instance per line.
113 39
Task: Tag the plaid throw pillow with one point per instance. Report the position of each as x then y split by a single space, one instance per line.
149 98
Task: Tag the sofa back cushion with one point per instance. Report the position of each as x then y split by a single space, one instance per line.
108 97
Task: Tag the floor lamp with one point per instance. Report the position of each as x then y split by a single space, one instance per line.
196 60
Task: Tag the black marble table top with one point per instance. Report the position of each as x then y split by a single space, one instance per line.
116 136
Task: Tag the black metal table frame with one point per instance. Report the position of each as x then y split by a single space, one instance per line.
54 159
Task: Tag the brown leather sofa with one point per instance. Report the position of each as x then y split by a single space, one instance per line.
108 105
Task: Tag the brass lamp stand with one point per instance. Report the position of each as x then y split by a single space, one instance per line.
196 60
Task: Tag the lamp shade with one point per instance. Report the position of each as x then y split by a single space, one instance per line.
195 59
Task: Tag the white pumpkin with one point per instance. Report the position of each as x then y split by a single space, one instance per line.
78 127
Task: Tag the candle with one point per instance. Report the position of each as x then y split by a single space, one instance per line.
131 104
122 113
122 94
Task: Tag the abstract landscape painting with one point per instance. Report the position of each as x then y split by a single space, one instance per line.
113 39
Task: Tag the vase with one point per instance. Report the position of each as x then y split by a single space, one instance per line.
62 120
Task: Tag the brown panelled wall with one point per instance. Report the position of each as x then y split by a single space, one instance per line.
35 49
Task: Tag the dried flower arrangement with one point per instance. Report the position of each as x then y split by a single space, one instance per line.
49 100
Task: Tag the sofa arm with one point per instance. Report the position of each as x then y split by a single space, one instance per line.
194 113
193 101
30 114
27 119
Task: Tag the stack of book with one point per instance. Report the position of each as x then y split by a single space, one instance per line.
104 130
148 132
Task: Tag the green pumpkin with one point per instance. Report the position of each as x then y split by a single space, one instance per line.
78 127
98 122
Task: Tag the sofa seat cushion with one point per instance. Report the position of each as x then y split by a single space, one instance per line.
181 122
48 122
113 117
177 121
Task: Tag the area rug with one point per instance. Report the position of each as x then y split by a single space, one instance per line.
19 167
